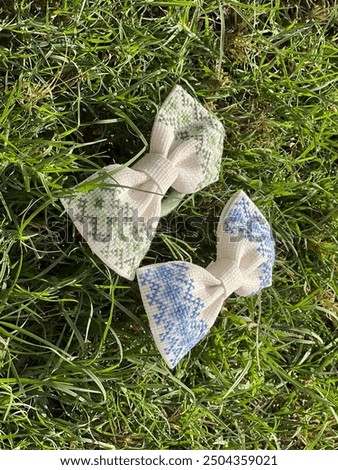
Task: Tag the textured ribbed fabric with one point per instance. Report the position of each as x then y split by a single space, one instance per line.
118 219
183 300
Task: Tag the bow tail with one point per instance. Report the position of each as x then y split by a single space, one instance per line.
182 301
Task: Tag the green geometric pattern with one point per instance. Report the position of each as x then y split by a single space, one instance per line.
110 228
190 119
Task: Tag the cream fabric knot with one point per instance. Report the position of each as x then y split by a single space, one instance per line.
183 300
119 215
159 169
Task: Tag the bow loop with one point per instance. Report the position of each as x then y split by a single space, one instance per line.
183 300
243 234
174 298
191 122
185 153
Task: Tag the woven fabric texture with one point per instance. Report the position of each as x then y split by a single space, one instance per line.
118 219
183 300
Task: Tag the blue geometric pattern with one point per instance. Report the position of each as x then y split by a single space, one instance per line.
244 219
171 292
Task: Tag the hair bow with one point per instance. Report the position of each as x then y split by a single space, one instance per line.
183 300
119 218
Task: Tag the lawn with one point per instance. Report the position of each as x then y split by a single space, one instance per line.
80 84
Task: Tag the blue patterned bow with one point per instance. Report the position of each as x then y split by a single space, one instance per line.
183 300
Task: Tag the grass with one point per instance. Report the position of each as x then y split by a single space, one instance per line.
80 83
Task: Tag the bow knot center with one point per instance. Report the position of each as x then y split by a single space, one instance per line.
228 273
159 169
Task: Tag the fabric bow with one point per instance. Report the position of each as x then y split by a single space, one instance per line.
183 300
119 219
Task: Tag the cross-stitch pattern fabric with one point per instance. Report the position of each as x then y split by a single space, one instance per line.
183 300
118 218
